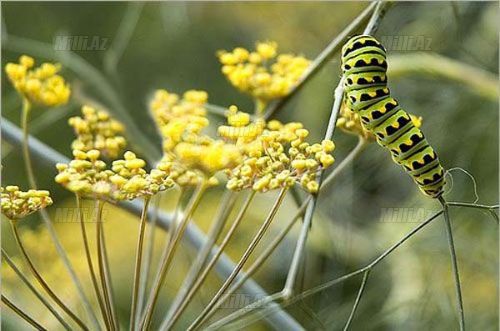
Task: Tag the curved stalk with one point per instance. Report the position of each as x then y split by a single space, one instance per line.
454 264
40 279
168 257
138 261
196 286
22 314
25 280
90 264
256 239
48 223
102 268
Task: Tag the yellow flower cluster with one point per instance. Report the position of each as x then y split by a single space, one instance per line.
41 85
86 175
97 130
132 181
190 156
280 157
240 129
176 117
17 204
350 122
262 73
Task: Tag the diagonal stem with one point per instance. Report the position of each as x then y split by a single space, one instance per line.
454 264
196 286
138 261
170 250
358 299
22 314
45 216
226 205
34 290
101 259
40 279
90 264
203 316
334 46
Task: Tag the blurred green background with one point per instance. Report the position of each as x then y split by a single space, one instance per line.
172 45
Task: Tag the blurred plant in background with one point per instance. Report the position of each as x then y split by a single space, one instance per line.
368 209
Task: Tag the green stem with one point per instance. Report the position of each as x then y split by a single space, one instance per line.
259 262
454 264
170 250
47 221
196 286
40 279
358 299
100 257
22 314
90 264
260 233
138 261
34 290
226 205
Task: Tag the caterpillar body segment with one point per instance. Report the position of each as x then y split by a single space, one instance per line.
364 66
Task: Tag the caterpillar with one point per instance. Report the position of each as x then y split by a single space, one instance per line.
364 67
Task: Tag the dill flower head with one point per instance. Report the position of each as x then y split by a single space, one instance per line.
85 175
17 204
41 85
97 130
350 122
176 116
263 73
240 128
130 180
280 157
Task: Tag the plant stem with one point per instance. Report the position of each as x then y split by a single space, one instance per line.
40 279
146 263
226 205
358 299
334 46
170 250
138 261
47 221
34 290
90 264
262 230
307 293
108 279
196 286
454 264
100 257
256 265
22 314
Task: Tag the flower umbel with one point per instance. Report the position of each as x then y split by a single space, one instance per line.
41 85
17 204
97 130
176 117
262 73
279 157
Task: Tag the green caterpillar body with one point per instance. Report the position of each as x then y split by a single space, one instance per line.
364 67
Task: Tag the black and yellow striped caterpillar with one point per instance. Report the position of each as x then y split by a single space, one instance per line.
364 67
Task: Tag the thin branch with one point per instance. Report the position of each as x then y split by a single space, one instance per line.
454 264
250 309
251 247
22 314
34 290
358 299
334 46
